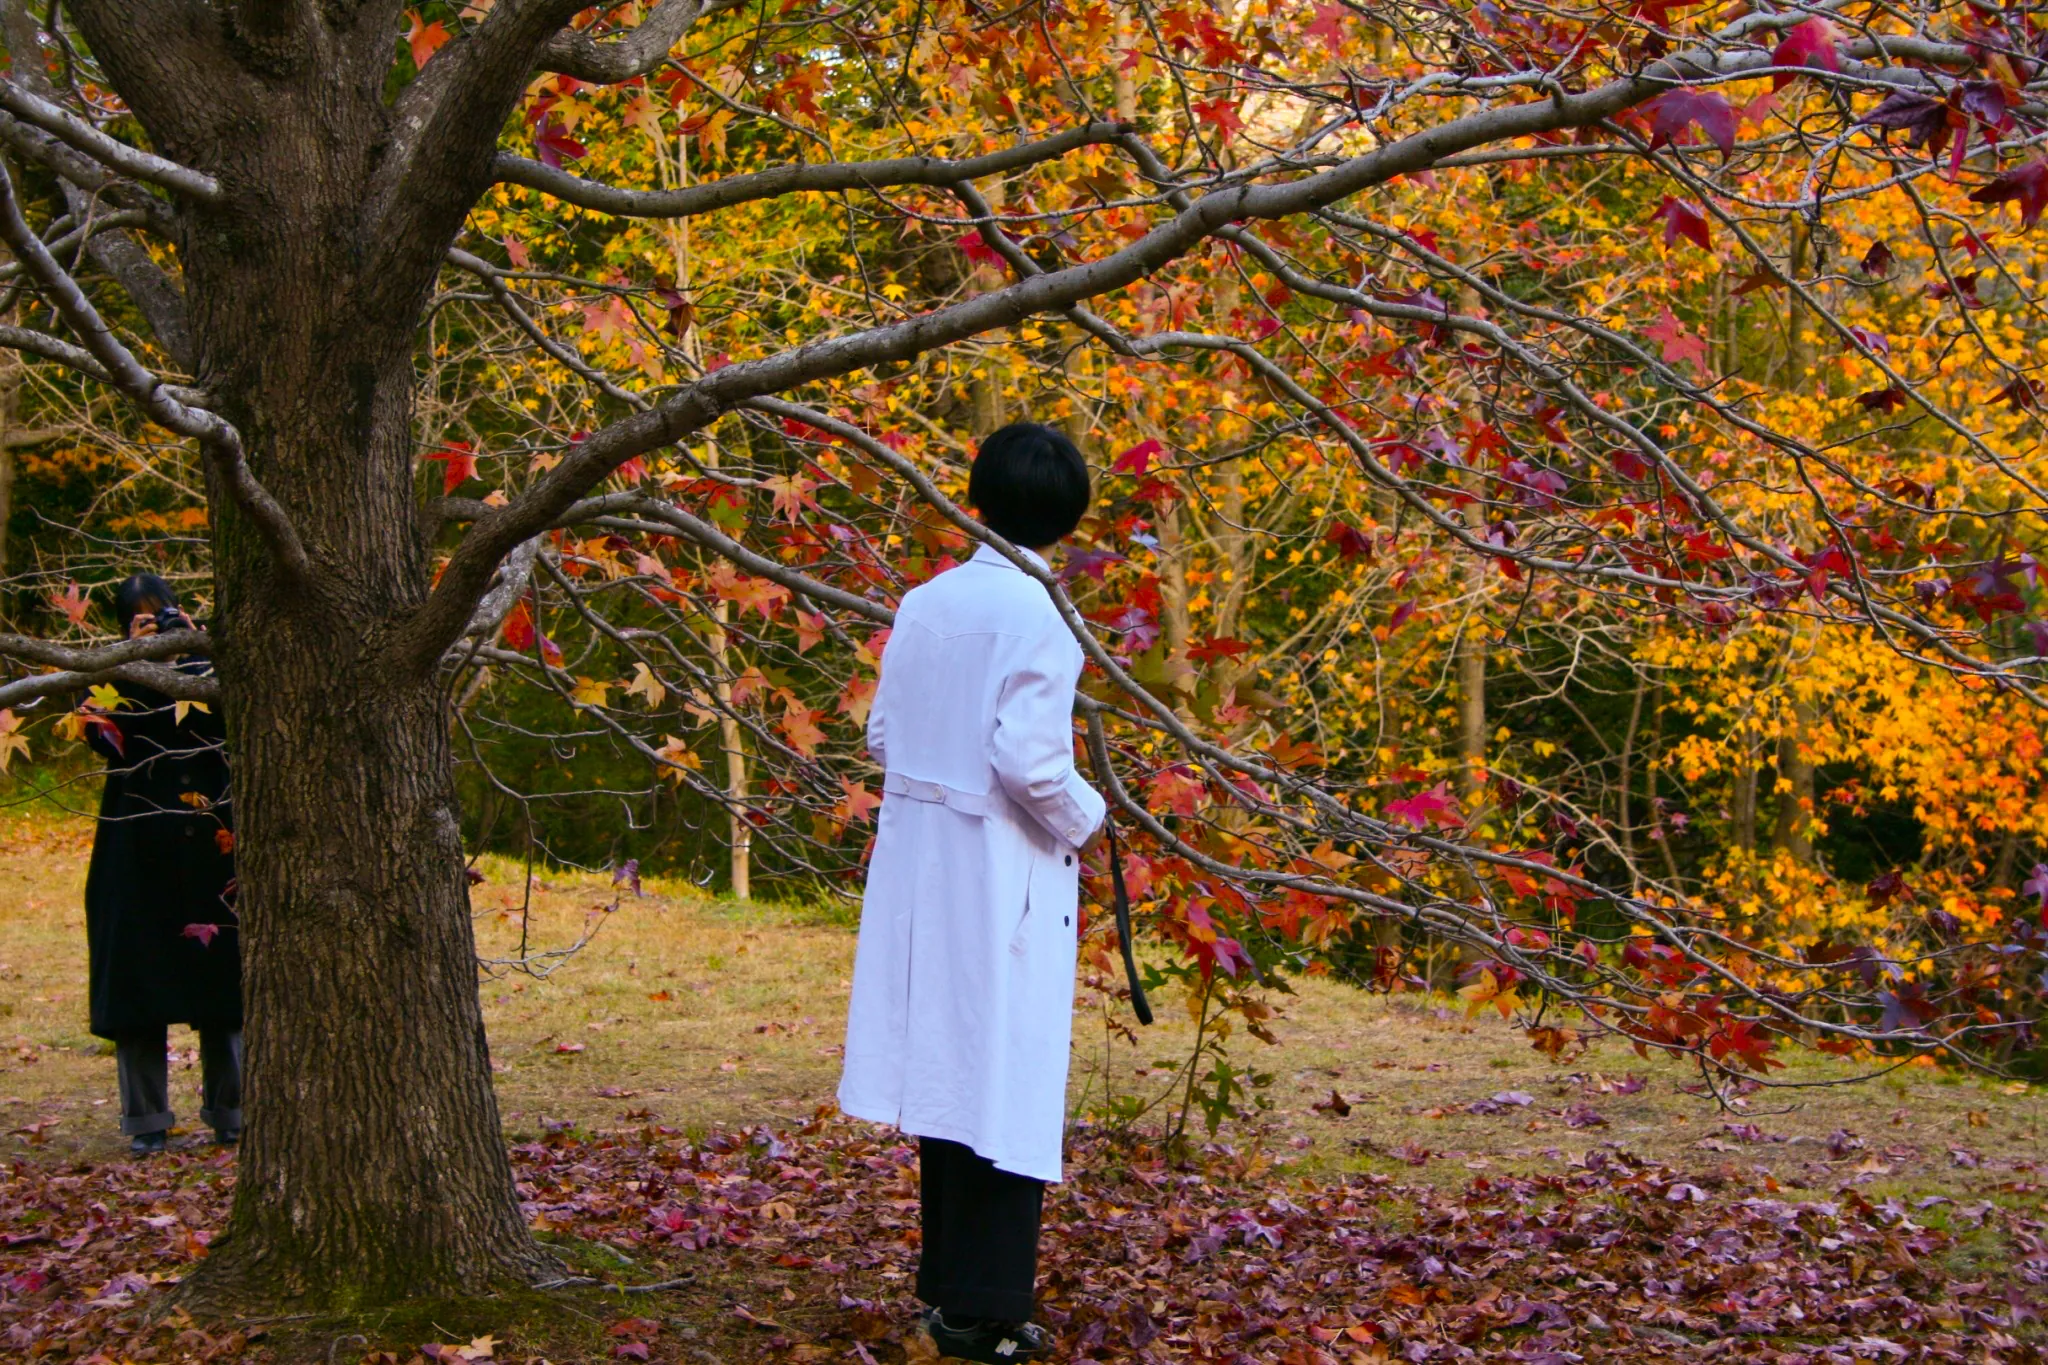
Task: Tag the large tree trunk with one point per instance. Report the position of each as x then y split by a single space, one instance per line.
372 1167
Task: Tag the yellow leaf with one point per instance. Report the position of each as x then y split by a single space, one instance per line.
646 686
108 697
590 691
179 710
1479 994
12 741
676 756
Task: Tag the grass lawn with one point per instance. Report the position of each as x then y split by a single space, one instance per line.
685 1020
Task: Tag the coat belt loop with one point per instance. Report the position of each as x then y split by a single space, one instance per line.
936 793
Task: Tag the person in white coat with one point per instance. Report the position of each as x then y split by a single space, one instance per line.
963 980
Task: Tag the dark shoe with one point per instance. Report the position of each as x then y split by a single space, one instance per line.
150 1144
226 1137
988 1341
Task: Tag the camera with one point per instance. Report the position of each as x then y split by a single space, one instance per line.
169 619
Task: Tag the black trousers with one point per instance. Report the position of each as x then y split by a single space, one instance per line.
980 1253
144 1073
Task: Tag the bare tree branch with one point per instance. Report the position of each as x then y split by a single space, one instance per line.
819 177
469 569
639 50
72 237
512 576
170 644
173 683
31 342
155 294
141 660
108 151
446 135
217 437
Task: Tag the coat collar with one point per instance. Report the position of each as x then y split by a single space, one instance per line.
988 554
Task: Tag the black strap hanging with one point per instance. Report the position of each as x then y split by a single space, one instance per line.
1139 1003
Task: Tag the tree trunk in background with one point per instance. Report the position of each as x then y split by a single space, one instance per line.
1742 803
1175 621
1798 346
10 389
1650 783
991 409
1472 705
1795 773
731 737
1126 90
1625 819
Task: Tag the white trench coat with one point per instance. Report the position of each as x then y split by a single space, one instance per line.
963 982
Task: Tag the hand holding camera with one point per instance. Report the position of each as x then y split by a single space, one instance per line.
167 619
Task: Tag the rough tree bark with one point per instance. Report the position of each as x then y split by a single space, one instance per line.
373 1167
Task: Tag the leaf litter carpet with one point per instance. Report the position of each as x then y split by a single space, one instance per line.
800 1245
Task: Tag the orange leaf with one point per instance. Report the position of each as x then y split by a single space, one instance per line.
424 39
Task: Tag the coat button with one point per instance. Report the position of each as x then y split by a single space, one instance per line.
1067 920
1070 860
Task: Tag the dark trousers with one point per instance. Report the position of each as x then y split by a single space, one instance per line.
145 1073
980 1250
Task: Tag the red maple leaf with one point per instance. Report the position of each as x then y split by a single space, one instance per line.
858 803
203 932
978 250
1433 807
1683 220
552 143
73 603
2026 186
1809 44
459 457
110 731
1214 648
1964 291
1351 542
1328 25
1677 343
1138 459
2021 393
1673 112
1179 789
519 627
1222 113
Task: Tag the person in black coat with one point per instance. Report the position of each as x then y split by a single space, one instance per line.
161 933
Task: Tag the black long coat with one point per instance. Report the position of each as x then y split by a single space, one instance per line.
163 868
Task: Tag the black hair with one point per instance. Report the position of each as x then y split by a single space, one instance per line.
139 594
1030 484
